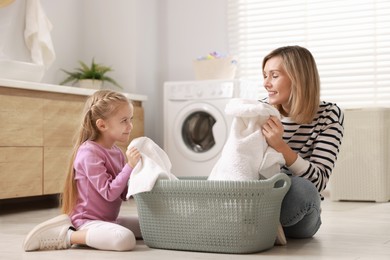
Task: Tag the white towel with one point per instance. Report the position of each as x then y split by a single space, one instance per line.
154 165
246 153
37 34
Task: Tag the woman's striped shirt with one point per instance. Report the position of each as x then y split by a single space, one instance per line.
317 144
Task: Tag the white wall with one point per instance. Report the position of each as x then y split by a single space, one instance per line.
11 36
147 42
170 34
67 20
109 35
193 28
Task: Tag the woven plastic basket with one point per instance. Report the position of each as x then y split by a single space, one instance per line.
212 216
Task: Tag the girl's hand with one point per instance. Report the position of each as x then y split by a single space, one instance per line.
133 156
273 133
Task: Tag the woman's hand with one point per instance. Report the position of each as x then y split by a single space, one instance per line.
273 132
133 156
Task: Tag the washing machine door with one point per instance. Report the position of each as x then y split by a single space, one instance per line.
200 131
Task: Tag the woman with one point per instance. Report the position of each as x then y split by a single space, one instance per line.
309 135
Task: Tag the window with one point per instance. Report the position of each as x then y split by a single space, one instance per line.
350 41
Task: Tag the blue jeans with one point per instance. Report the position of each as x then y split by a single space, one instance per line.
300 214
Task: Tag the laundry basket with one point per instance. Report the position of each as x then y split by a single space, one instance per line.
222 68
212 216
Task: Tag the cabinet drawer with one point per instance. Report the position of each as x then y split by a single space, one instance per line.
61 120
55 170
22 121
20 171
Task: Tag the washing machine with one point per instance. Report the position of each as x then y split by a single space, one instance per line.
195 124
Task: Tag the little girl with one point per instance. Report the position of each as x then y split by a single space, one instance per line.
96 183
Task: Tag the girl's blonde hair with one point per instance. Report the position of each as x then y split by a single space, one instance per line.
302 70
101 105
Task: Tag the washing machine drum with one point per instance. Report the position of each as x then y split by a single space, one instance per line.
197 132
200 131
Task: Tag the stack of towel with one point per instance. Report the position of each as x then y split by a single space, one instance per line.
246 154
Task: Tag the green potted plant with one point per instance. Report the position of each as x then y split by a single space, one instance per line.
89 77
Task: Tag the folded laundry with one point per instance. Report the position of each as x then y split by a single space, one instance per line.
154 165
246 154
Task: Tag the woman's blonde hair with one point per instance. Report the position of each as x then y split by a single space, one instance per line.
101 105
302 70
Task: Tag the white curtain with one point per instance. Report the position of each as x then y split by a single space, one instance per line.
350 40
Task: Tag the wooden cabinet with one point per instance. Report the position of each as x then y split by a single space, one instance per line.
21 171
36 139
21 118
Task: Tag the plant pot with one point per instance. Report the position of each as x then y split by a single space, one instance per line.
90 83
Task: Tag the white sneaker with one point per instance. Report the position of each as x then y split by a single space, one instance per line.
50 234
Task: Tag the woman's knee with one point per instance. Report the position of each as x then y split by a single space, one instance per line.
303 188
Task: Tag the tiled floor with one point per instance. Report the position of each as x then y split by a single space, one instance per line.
350 230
